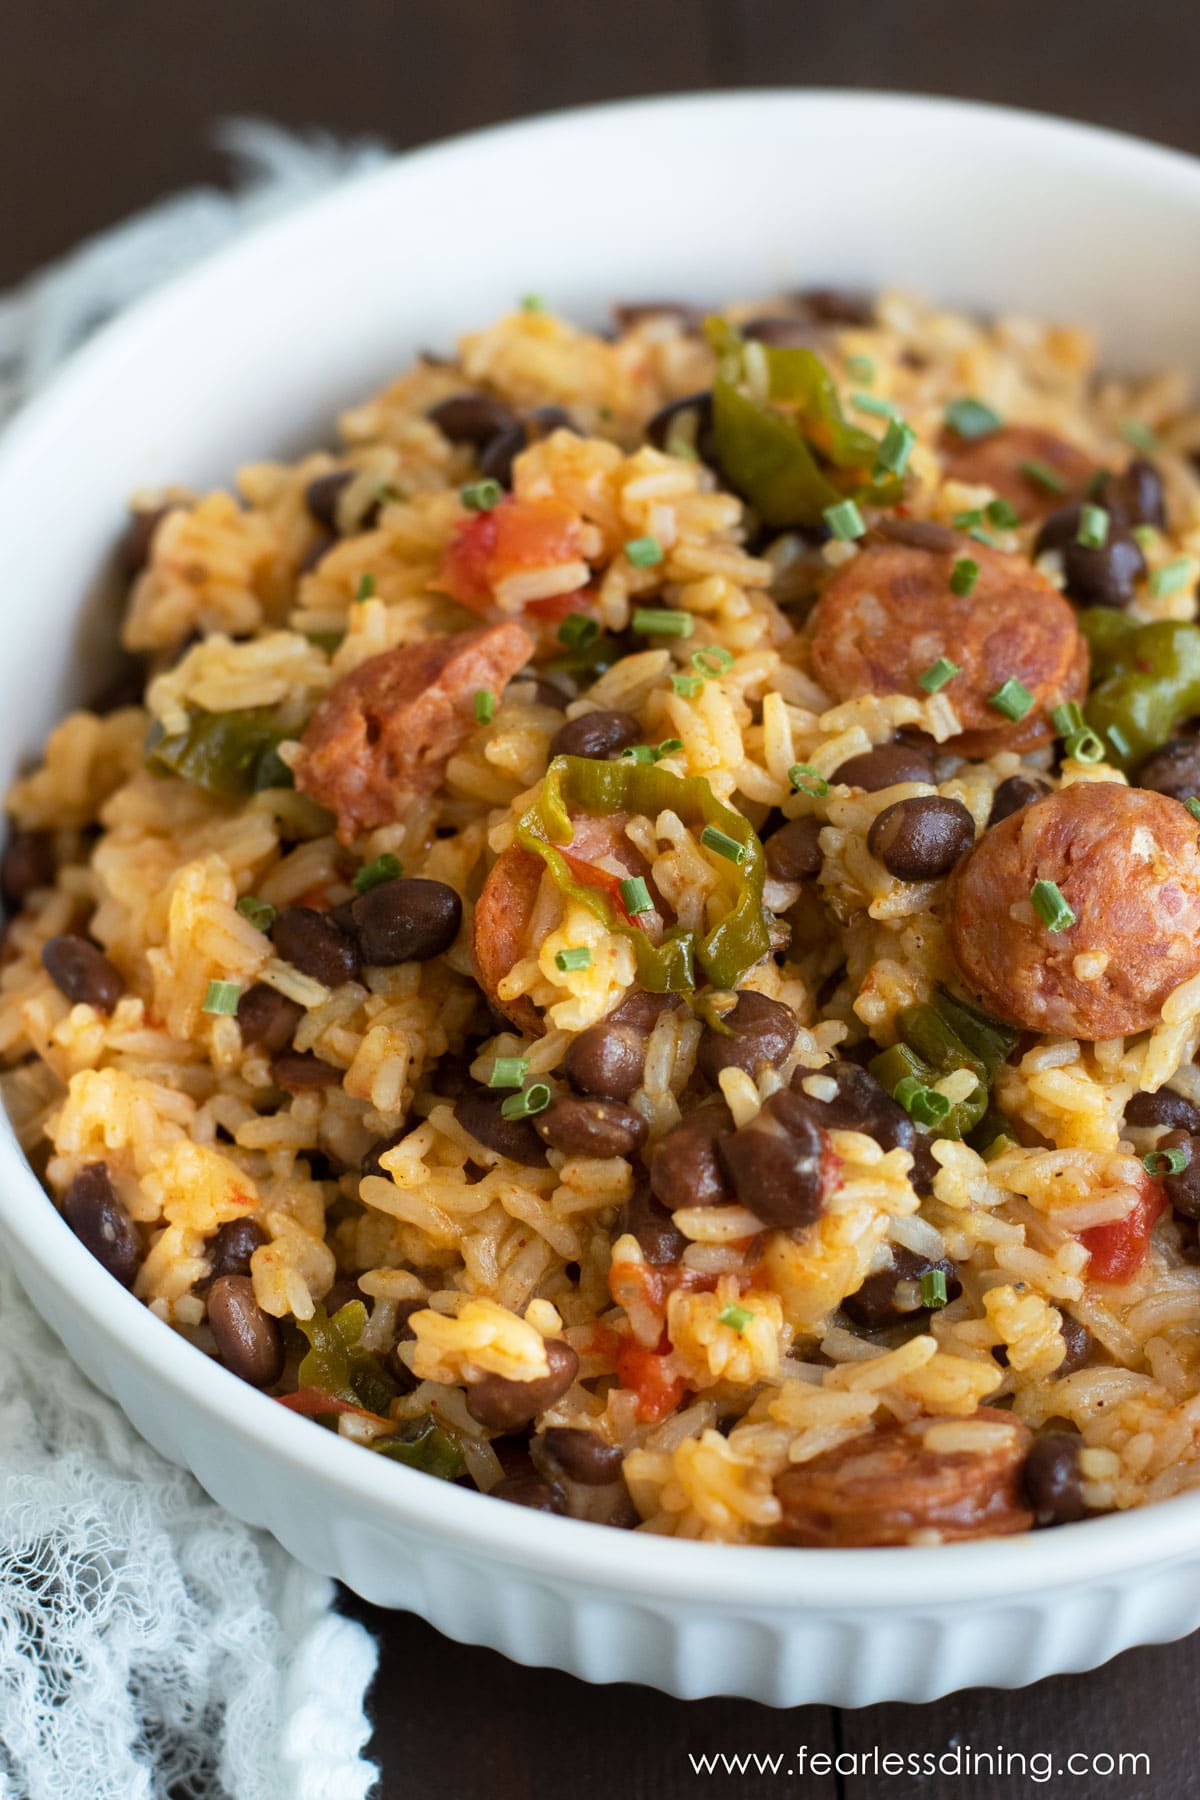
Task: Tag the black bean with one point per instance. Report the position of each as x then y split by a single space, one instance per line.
370 1164
544 692
1163 1108
249 1341
629 314
921 534
406 920
645 1218
793 853
596 734
92 1208
316 944
322 495
885 766
504 1405
1104 576
1078 1340
689 418
685 1169
775 1163
580 1455
479 1113
124 687
1136 496
301 1072
452 1077
892 1295
607 1059
863 1104
1051 1479
531 1491
838 306
316 552
496 459
1014 793
82 972
591 1127
229 1250
268 1018
1174 770
472 418
139 537
1183 1190
757 1033
781 331
27 864
921 838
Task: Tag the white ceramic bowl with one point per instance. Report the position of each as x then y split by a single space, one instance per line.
252 354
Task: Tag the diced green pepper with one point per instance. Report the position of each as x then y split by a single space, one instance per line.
1147 681
230 753
427 1446
935 1041
986 1038
337 1365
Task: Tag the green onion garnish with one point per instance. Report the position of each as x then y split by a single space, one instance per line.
1192 804
860 368
1067 718
806 780
1118 740
933 1289
1012 698
1170 579
712 661
509 1071
385 868
845 521
577 631
485 706
1140 436
1043 475
895 447
644 552
688 686
1166 1162
1145 535
222 997
1002 515
1050 906
260 913
366 587
935 677
532 303
1085 746
922 1104
533 1099
481 496
982 537
1093 527
657 621
668 747
722 844
577 957
972 419
876 404
963 576
635 896
736 1317
963 521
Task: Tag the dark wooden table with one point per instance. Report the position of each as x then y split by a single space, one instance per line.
105 105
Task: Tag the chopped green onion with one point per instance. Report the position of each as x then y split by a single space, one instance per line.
1002 514
385 868
963 521
485 706
1050 906
895 447
860 368
722 844
509 1071
1093 527
260 913
963 576
922 1104
1170 579
972 419
668 747
644 552
736 1317
933 1288
982 537
712 661
876 404
1146 536
688 686
657 621
481 496
845 521
806 780
1166 1162
1043 475
635 896
1085 746
577 957
222 998
577 631
638 753
1140 436
1067 718
1118 740
533 1099
1192 804
1012 698
366 587
532 303
935 677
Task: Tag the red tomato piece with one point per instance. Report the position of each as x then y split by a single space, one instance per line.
516 535
1119 1250
644 1373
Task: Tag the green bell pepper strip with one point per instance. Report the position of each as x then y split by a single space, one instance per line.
230 753
427 1446
939 1038
579 784
1147 681
337 1365
792 454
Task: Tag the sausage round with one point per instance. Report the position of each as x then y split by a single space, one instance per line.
1127 863
890 613
1000 460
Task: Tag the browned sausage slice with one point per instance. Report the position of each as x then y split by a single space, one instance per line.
1002 459
890 613
1126 862
386 731
887 1486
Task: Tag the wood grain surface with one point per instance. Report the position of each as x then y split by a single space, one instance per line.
107 104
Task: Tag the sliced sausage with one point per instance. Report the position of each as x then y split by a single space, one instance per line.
1127 864
386 731
890 613
885 1487
1001 460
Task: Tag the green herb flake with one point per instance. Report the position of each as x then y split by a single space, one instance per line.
895 448
972 418
1166 1162
712 660
260 913
1118 740
1093 527
365 588
658 621
1085 746
1140 436
533 1099
807 780
687 686
635 896
736 1317
963 576
578 632
721 844
532 303
1012 698
577 957
485 706
1145 536
1002 515
222 998
1172 578
860 368
1192 804
935 677
1043 476
1067 718
922 1103
481 496
933 1289
845 522
644 552
1050 907
509 1072
385 868
966 521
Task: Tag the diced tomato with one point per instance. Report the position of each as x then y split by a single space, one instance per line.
515 535
644 1373
557 607
1119 1250
588 875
